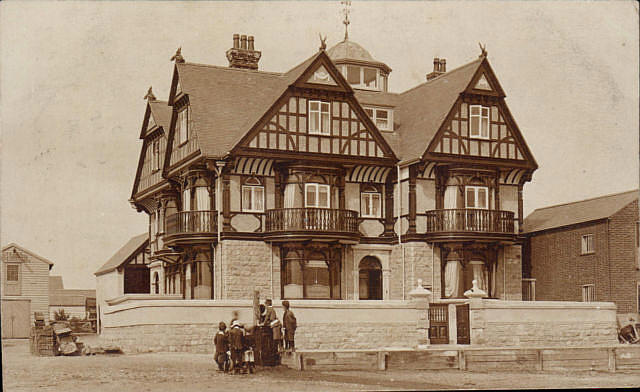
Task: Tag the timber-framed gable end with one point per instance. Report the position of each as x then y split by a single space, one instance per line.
317 118
479 128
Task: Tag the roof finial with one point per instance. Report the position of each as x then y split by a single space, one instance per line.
323 43
150 96
346 11
483 48
178 56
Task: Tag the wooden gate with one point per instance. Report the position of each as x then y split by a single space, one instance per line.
16 318
439 323
462 324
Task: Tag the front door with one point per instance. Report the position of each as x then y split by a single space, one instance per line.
439 323
462 321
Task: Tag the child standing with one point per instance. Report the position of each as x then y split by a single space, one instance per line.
221 341
289 324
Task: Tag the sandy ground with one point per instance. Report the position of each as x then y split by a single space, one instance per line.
197 372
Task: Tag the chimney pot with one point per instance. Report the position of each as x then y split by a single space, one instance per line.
443 65
236 41
436 64
243 42
250 42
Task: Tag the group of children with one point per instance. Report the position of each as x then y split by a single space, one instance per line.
235 347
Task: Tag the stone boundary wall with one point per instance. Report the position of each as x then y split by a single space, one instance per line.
150 324
542 323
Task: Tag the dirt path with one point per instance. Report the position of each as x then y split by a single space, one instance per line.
197 372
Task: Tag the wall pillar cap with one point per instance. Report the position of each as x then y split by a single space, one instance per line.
419 292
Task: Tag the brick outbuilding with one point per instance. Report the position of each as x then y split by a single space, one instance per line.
585 251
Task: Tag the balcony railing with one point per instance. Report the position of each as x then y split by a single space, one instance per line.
312 220
186 222
470 221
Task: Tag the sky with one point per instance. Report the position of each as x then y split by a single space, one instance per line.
73 76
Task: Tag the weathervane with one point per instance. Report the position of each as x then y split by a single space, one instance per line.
346 11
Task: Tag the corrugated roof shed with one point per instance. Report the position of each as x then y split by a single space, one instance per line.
123 253
577 212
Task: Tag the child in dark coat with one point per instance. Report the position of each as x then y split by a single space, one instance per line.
289 323
221 341
236 336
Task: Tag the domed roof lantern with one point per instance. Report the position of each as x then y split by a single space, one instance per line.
356 64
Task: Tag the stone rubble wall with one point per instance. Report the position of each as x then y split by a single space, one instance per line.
156 325
542 323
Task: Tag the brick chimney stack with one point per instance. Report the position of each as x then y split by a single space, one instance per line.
439 68
242 54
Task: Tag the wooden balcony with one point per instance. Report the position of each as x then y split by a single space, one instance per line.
285 224
470 224
191 227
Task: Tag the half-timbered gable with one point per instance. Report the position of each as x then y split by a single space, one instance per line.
318 115
479 125
154 135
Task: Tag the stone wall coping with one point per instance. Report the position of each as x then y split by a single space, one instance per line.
132 301
501 304
142 297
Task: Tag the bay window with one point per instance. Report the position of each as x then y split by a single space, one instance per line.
310 275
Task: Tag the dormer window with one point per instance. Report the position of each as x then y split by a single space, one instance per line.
155 159
319 117
181 127
479 124
383 118
361 77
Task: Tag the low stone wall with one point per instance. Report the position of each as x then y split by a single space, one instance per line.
542 323
150 324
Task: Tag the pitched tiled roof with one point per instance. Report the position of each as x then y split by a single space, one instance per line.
161 112
55 283
123 254
423 109
577 212
419 112
227 102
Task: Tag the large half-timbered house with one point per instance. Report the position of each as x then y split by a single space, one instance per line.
320 183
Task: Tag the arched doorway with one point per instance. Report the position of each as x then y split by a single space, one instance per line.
370 279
